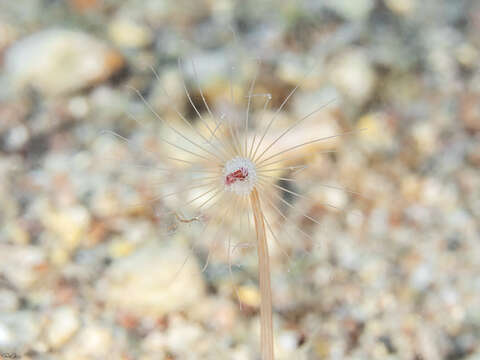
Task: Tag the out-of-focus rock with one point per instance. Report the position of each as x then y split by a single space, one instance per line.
153 281
168 94
221 314
425 135
376 132
470 111
249 295
401 7
296 71
18 331
22 265
183 336
64 323
127 33
70 226
7 35
17 233
351 10
352 72
210 71
286 344
58 61
93 341
8 300
16 138
467 55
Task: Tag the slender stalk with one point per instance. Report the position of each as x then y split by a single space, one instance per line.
266 322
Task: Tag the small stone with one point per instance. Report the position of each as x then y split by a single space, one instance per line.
293 71
168 93
154 342
351 10
401 7
17 233
153 281
64 323
92 341
183 336
58 61
467 55
7 35
127 33
249 295
78 107
17 138
287 341
220 314
421 277
18 331
121 248
376 133
22 265
352 72
425 136
69 224
470 111
322 348
8 300
209 70
59 256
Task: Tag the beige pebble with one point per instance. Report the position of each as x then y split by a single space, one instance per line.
64 323
58 61
153 281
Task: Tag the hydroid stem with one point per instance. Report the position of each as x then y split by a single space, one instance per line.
266 321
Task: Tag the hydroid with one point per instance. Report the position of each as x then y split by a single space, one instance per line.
232 176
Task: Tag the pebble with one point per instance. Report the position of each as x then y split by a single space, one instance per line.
157 279
210 70
17 138
295 71
18 331
94 341
249 295
78 107
8 33
65 61
469 111
287 341
168 93
22 265
222 314
351 10
467 55
421 277
182 336
424 134
401 7
376 133
17 233
64 323
8 300
120 248
69 225
352 72
130 34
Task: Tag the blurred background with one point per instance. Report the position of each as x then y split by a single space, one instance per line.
396 272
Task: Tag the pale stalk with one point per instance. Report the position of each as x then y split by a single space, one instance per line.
266 322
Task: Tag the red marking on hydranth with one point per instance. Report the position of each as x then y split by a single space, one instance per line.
238 175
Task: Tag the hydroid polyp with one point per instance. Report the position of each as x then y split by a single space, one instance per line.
230 176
